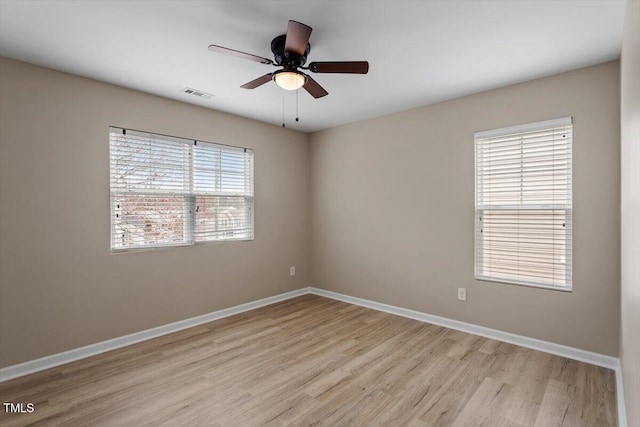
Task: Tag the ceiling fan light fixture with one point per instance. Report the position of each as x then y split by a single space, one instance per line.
290 52
289 80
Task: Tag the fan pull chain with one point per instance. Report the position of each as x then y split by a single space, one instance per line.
297 119
282 110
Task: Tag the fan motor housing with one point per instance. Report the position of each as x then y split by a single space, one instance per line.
287 59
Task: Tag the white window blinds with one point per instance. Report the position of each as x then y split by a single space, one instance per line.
171 191
523 204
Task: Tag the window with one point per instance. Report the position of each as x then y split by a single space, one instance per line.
523 204
168 191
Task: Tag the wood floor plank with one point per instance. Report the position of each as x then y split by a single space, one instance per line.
483 404
316 361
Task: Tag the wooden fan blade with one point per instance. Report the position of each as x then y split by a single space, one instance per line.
314 88
297 38
238 54
350 67
257 82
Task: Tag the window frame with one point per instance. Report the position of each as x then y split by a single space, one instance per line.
189 197
479 210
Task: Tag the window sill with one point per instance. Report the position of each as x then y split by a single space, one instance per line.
178 245
525 284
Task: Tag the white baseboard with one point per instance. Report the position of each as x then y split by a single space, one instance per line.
622 411
58 359
548 347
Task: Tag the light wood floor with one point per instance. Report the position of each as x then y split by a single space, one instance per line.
316 361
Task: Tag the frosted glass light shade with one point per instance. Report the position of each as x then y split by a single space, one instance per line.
289 80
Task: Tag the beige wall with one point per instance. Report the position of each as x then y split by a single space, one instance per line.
393 210
60 287
630 201
390 202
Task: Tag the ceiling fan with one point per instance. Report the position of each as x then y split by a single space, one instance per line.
290 52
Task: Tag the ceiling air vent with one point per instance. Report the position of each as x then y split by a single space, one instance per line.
196 92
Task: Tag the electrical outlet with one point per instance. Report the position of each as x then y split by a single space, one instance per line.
462 294
292 271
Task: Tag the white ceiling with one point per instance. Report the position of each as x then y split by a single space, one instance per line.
420 52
